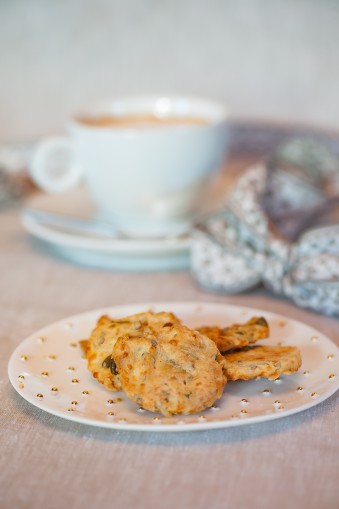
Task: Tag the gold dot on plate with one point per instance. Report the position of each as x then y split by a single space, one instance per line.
52 357
74 403
75 381
21 377
306 373
85 393
156 419
202 418
330 357
300 388
54 389
73 345
70 409
277 380
122 419
243 411
41 339
119 400
277 402
314 339
110 401
215 407
281 407
24 358
44 373
332 375
21 385
266 392
71 368
314 395
39 395
110 413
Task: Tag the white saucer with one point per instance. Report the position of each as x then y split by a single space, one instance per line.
121 253
49 370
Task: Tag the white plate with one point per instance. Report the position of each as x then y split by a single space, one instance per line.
48 370
116 253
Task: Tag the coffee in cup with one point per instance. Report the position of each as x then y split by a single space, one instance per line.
145 160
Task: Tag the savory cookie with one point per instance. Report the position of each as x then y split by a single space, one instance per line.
100 345
262 361
237 335
174 371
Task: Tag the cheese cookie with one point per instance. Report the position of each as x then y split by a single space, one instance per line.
175 371
237 335
100 345
262 361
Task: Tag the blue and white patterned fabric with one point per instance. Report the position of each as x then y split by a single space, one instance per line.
262 235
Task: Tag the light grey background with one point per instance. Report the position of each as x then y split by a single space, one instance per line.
275 60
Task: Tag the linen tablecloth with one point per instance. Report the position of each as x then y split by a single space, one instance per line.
46 461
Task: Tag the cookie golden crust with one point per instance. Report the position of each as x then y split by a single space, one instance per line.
237 335
262 361
99 347
176 371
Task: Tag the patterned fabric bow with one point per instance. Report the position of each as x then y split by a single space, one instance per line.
262 235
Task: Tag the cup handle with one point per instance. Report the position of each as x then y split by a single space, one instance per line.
53 166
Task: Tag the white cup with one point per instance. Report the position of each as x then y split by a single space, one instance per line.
148 179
